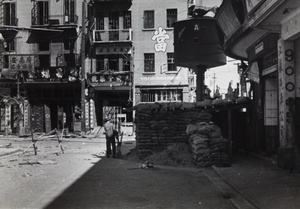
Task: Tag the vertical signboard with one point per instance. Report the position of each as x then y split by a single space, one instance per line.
47 119
286 88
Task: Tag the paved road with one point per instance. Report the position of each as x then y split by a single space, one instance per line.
26 184
78 179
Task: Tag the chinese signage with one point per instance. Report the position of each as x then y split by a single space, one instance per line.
160 36
250 4
21 62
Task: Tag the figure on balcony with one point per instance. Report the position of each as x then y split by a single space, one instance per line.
102 79
73 74
118 78
31 75
45 74
59 73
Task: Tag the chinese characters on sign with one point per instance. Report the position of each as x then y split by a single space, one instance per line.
21 62
160 36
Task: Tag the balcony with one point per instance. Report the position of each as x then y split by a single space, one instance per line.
108 36
54 20
110 79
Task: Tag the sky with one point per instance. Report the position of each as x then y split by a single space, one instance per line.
221 76
210 3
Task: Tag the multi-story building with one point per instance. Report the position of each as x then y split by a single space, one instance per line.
156 77
110 59
44 58
132 55
127 57
266 34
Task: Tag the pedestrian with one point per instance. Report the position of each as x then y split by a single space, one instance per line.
110 138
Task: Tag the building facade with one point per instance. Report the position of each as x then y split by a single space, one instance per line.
156 77
266 34
109 56
43 60
75 62
132 56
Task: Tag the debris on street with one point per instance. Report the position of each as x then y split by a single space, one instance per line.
46 162
175 155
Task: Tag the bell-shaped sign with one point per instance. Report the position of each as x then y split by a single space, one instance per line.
198 41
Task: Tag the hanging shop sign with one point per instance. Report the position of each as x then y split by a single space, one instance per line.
228 20
21 62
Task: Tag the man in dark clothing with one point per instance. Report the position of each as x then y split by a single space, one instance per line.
110 134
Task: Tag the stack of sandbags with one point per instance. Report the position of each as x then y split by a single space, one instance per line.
219 152
207 145
200 150
159 126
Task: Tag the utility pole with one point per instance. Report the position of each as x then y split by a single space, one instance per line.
83 126
214 80
200 82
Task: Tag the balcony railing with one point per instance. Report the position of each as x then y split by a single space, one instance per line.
55 20
108 78
123 35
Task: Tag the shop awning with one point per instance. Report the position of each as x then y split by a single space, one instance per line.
252 72
8 34
52 35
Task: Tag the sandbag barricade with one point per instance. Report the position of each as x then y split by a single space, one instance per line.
207 145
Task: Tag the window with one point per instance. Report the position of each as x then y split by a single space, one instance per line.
270 60
148 96
100 63
169 95
113 26
127 20
10 47
10 14
126 62
42 12
70 16
171 17
100 22
149 62
99 26
148 19
113 62
171 65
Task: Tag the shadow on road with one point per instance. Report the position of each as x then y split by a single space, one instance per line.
119 183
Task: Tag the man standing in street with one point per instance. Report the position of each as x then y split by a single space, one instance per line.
110 138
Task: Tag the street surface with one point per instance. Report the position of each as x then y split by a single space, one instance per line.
79 179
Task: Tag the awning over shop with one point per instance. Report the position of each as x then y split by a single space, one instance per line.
252 72
52 35
8 34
